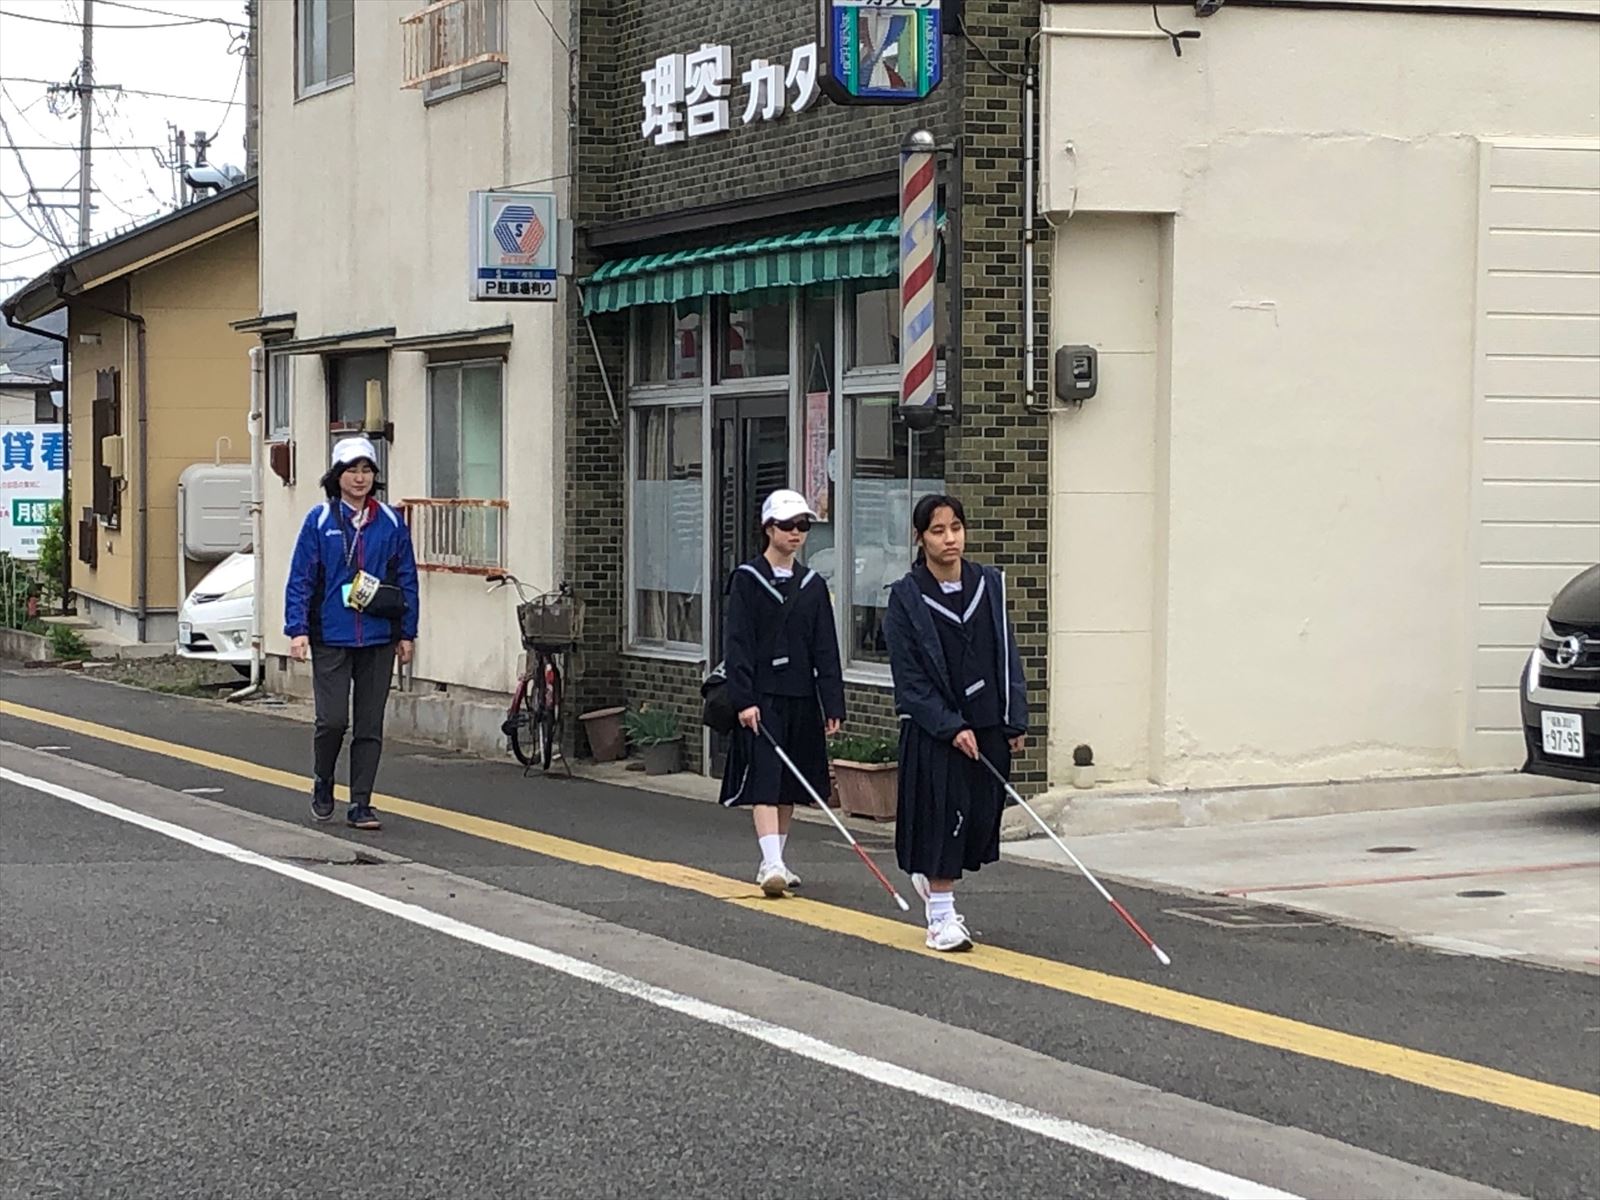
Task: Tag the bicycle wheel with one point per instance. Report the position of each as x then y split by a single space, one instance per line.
520 724
546 717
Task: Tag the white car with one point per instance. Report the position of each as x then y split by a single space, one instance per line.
214 622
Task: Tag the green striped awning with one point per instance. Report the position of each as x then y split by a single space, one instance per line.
859 250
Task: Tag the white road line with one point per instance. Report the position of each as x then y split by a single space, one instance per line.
1099 1142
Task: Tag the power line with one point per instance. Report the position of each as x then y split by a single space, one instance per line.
126 91
159 12
102 25
74 149
28 176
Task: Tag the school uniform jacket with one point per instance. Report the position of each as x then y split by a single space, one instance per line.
923 690
773 650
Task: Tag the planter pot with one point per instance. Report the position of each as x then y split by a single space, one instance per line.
1083 777
603 728
867 789
664 758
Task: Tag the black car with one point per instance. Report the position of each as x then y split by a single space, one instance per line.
1561 686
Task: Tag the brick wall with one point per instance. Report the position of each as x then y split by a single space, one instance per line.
997 459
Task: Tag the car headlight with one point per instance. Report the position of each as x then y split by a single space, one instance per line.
243 591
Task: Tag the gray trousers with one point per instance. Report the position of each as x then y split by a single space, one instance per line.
346 677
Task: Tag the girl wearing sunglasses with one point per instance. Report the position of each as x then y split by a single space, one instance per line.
781 656
959 690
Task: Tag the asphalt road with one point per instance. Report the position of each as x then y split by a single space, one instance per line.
173 1016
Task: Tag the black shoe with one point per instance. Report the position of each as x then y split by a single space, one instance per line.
322 800
362 816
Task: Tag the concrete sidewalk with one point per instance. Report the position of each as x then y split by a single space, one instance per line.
1519 879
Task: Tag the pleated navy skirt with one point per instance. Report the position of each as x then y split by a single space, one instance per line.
755 774
948 817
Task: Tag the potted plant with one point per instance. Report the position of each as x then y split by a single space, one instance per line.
654 732
1083 772
866 774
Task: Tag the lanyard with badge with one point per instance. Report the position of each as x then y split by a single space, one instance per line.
358 593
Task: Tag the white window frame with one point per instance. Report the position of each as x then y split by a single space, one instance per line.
474 78
850 384
280 396
306 25
667 398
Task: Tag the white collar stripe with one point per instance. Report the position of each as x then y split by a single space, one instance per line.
948 614
765 582
977 598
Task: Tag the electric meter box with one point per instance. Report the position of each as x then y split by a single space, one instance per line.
214 510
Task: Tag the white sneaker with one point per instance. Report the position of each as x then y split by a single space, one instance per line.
949 934
790 877
920 883
772 878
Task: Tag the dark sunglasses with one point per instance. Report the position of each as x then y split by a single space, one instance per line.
799 524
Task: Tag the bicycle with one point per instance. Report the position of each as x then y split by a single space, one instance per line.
549 622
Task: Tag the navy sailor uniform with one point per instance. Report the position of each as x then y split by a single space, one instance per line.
780 653
956 666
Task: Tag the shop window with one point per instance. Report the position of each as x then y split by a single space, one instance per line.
891 468
667 526
754 336
875 324
326 43
348 377
280 397
668 343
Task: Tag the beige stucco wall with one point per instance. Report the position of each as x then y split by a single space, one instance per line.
1260 567
364 199
199 381
100 342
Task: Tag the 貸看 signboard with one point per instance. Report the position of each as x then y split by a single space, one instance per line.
33 461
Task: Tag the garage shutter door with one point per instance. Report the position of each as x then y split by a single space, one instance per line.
1537 512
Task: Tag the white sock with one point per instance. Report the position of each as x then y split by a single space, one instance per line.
940 906
771 849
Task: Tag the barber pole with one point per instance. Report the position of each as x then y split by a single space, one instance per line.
918 268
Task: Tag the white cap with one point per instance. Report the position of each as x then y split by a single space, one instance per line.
352 449
784 505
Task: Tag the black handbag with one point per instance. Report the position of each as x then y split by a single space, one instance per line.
716 710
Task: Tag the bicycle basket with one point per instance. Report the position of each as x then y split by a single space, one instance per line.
550 621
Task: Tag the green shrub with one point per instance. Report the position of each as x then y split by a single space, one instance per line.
863 748
648 726
66 644
52 548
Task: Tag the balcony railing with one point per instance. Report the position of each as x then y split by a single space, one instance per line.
450 36
466 537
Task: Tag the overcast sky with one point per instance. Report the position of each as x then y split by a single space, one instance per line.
189 48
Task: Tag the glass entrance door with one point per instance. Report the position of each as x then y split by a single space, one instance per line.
750 448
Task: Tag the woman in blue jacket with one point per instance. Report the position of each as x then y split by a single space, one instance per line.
782 664
959 690
351 607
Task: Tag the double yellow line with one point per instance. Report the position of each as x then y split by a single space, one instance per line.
1433 1071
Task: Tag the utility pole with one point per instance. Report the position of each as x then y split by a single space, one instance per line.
183 167
252 95
85 124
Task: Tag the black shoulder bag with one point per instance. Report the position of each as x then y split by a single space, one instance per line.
716 710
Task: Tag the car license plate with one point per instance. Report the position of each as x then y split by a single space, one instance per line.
185 633
1563 733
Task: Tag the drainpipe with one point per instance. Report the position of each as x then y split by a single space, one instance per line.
258 424
142 547
66 474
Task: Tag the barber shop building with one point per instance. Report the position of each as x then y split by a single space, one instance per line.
738 330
